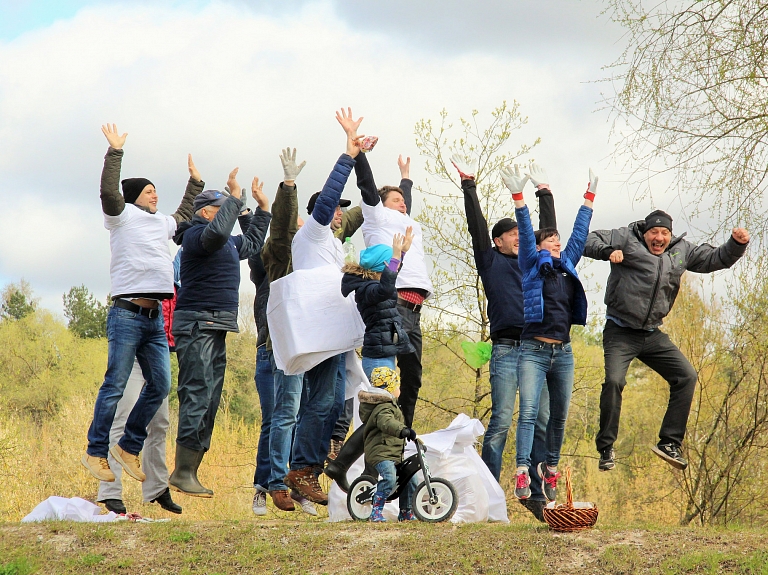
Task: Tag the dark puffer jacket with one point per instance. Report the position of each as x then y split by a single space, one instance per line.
383 421
377 303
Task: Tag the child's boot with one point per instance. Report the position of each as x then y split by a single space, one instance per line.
379 499
406 515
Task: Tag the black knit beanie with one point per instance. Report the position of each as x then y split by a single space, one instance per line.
658 219
132 188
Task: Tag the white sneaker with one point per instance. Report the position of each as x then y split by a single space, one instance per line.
306 505
259 503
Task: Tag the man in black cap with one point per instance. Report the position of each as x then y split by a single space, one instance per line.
647 265
206 309
141 274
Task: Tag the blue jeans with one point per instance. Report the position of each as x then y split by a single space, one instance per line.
371 363
130 336
504 365
551 365
265 387
308 439
340 391
287 400
388 482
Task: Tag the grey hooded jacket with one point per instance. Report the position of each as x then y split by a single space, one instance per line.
642 289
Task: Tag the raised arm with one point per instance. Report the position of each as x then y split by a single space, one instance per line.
195 185
112 201
365 182
252 241
476 223
575 247
706 258
219 229
405 182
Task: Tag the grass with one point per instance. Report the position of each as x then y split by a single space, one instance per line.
286 547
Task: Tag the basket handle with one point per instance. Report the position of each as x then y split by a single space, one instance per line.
568 488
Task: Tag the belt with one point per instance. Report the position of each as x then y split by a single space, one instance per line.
507 341
415 307
130 306
560 345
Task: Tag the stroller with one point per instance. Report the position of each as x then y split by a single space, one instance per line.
434 499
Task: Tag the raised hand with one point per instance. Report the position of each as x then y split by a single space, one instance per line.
193 173
616 257
397 246
290 170
234 187
538 176
405 167
408 240
257 192
466 167
347 122
514 180
589 195
116 141
740 235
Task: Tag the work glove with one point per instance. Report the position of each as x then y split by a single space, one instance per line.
243 199
514 180
538 175
290 170
467 168
591 186
408 433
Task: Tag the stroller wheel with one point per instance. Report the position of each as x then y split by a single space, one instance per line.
360 497
444 501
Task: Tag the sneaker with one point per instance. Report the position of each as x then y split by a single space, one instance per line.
670 453
535 506
523 485
259 506
607 462
336 446
130 462
282 500
306 505
548 481
406 515
114 505
98 466
304 481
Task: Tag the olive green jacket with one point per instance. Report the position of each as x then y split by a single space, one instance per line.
383 421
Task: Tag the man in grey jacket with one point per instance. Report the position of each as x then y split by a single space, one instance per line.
647 265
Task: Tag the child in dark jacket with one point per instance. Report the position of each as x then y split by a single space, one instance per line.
384 436
373 281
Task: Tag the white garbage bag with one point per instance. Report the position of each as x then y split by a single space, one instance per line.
65 509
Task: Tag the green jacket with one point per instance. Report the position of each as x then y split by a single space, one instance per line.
383 423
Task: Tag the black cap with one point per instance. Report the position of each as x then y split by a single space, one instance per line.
503 225
132 188
658 219
311 205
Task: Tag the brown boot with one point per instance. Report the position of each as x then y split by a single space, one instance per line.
282 499
98 466
305 482
129 461
336 446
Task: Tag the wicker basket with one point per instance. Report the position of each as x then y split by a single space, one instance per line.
570 516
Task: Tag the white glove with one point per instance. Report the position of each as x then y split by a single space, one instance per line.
290 170
592 182
537 175
514 179
465 166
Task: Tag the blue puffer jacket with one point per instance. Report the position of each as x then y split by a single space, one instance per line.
529 260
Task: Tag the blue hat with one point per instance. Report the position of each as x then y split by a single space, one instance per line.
376 257
209 198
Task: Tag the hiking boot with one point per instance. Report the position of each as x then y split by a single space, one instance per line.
670 453
259 503
523 485
336 446
548 481
406 515
129 461
184 477
305 483
306 505
165 501
98 466
377 515
607 462
350 452
282 500
535 506
114 505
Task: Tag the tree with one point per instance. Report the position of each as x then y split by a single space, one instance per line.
17 301
87 316
692 89
458 309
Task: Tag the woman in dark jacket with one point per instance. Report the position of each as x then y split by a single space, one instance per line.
373 281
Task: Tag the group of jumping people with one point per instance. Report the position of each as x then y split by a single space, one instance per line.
534 297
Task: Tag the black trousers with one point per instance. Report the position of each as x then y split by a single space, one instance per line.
410 365
654 348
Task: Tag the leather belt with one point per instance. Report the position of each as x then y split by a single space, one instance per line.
135 308
507 341
414 307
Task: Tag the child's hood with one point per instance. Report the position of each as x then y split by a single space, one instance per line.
351 282
375 396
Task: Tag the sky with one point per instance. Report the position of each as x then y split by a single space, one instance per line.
234 82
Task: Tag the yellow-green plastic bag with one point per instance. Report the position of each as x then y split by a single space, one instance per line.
477 354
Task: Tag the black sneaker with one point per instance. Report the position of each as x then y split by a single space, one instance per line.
607 462
114 505
548 481
535 506
670 453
